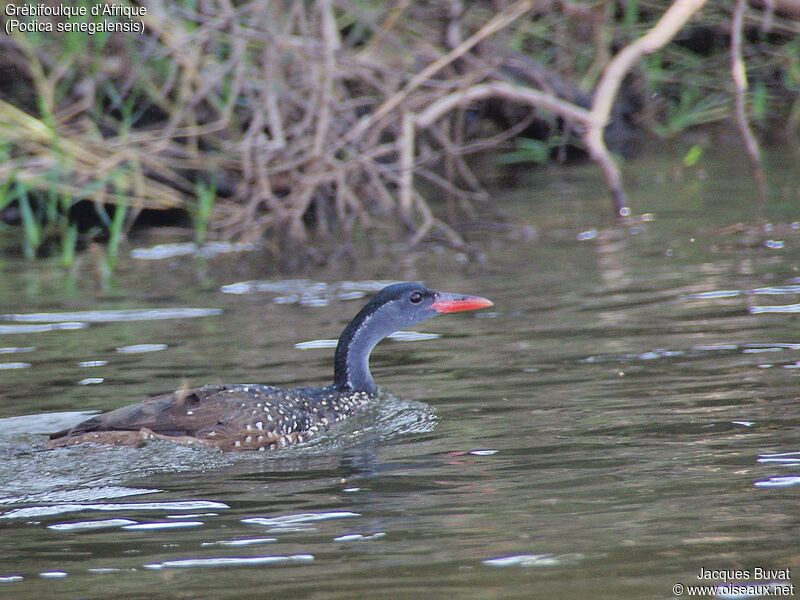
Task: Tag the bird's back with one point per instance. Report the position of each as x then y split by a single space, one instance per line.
228 417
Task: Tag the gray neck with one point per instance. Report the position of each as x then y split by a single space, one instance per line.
351 364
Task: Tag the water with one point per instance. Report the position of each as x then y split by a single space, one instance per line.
625 415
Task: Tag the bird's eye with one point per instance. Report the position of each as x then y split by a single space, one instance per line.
415 298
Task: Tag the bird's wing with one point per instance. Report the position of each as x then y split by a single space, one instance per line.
184 412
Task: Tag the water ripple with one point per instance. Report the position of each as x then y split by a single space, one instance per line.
298 519
778 482
59 509
40 327
79 495
305 292
162 251
781 345
776 290
141 348
413 336
523 560
106 570
778 308
783 458
92 363
240 543
91 525
42 423
7 366
715 294
397 336
161 525
714 347
693 352
772 290
113 316
760 350
230 561
357 537
316 344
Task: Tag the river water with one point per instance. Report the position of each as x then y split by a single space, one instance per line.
623 417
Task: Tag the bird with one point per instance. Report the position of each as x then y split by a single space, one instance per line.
238 417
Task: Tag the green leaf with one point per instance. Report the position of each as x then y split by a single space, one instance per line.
30 225
528 150
692 157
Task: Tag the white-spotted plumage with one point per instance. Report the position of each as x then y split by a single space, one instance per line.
259 417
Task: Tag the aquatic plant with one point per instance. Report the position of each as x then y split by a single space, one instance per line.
201 209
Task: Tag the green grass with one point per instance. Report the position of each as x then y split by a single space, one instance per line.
30 224
200 211
115 234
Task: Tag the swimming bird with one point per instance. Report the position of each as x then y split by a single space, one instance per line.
262 417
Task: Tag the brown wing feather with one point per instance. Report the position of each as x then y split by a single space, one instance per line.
184 412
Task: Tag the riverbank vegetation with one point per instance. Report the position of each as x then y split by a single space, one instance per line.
293 122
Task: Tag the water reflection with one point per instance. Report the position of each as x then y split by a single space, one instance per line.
39 328
313 294
60 509
292 521
208 250
241 542
92 363
113 316
357 537
398 336
141 348
524 560
14 365
90 525
250 561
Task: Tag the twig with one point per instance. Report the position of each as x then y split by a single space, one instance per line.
474 93
606 92
330 39
739 76
497 23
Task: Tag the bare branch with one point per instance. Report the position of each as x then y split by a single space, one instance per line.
606 92
494 25
739 76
